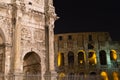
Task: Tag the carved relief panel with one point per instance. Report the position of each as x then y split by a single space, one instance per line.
6 26
26 37
39 36
25 34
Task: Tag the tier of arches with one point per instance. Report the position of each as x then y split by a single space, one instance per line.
103 75
91 57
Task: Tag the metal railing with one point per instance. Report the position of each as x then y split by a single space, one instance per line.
48 77
20 77
80 77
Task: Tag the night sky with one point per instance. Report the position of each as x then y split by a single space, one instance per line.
88 15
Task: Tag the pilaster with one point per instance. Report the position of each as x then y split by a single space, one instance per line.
50 19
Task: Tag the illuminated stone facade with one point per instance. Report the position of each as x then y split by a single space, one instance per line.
87 53
25 45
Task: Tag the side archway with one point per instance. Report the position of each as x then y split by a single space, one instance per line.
32 66
2 55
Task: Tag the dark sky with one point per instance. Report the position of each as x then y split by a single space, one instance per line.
88 15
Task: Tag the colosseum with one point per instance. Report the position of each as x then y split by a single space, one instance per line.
87 56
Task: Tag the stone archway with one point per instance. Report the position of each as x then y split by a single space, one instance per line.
115 75
103 57
92 57
93 75
70 58
2 57
104 75
81 57
32 66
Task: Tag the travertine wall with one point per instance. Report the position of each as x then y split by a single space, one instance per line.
79 42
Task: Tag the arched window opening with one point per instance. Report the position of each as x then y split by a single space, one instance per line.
90 46
92 76
93 73
115 76
60 38
70 58
60 59
90 37
113 55
92 58
81 57
103 58
32 66
104 75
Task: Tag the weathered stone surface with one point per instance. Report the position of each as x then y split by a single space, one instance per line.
23 33
74 54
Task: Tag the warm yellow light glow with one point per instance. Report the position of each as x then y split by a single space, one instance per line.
93 58
115 76
81 51
61 75
81 61
59 59
113 55
104 75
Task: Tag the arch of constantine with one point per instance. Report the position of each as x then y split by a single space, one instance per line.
26 39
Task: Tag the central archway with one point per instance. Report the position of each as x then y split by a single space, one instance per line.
32 66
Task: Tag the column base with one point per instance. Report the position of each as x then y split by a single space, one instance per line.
54 75
51 75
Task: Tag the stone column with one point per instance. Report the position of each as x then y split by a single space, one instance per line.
7 61
47 73
52 55
50 19
18 62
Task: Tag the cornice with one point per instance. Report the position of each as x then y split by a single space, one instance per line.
20 6
5 6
